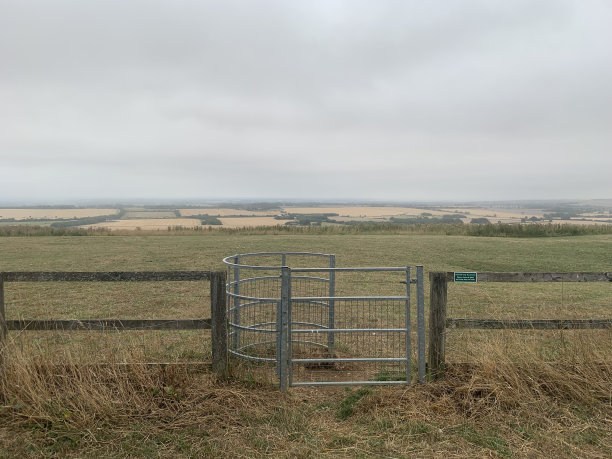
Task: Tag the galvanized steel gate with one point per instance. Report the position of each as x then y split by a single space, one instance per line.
293 319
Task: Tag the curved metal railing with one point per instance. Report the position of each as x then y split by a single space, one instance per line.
254 300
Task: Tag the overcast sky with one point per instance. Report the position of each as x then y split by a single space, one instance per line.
367 100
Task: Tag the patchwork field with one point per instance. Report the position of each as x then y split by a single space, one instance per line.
133 214
361 211
313 215
495 215
225 212
51 214
150 224
246 222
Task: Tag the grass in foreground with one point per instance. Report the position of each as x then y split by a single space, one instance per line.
496 407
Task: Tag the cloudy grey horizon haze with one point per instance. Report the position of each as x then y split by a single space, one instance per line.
371 100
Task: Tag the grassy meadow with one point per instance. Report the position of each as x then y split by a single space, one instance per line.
509 394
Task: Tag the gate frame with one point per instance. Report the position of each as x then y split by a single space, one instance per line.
420 296
283 328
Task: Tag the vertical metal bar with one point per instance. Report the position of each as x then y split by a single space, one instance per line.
408 330
279 333
285 298
421 323
279 322
236 318
332 305
289 331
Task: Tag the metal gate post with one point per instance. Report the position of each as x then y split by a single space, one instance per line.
236 318
332 312
279 321
421 323
285 303
408 330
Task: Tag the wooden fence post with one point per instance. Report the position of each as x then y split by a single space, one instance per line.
218 316
3 328
437 323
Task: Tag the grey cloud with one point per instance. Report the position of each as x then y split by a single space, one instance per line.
307 99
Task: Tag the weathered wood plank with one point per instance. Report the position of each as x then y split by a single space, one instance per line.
109 324
530 324
218 314
539 277
3 329
437 323
101 276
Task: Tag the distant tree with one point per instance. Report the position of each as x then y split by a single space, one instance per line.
209 220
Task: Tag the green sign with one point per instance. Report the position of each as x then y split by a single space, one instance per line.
466 277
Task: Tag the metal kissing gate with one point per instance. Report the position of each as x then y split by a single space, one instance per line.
297 317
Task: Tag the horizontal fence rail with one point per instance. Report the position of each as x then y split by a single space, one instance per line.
438 322
527 324
106 276
217 322
109 324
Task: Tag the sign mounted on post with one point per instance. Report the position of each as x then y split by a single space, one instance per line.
466 277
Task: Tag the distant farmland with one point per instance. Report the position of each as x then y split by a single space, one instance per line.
53 214
149 224
225 212
155 218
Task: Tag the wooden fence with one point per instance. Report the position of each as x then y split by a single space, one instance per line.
217 322
439 322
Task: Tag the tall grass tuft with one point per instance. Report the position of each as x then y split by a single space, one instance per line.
501 405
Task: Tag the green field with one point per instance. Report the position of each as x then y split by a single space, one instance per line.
526 394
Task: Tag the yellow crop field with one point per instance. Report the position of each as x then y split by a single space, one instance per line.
241 222
225 212
150 224
148 214
52 214
505 215
361 211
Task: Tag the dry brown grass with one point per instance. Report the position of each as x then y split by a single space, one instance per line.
500 406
